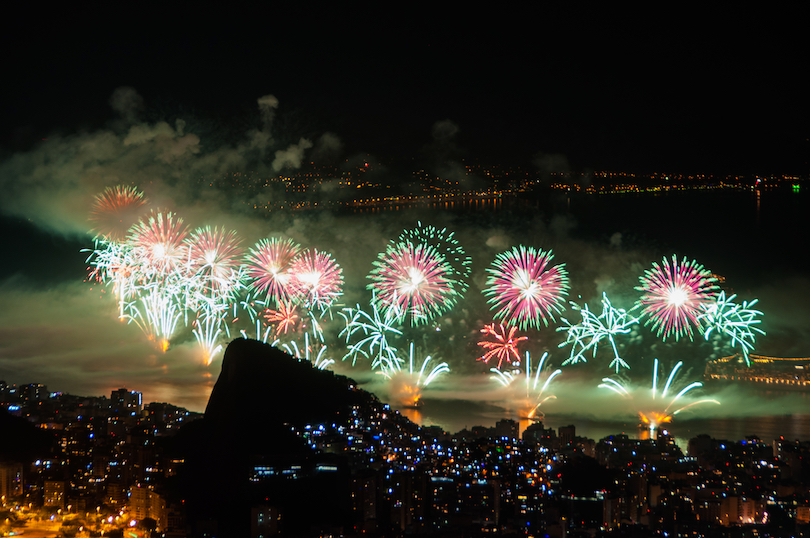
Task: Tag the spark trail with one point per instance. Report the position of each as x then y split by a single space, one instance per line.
408 385
374 331
586 335
504 345
657 409
535 391
737 321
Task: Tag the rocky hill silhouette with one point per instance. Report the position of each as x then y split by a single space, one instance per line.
261 384
260 394
21 441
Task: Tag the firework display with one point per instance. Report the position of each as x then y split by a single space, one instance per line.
445 244
285 318
268 267
171 283
115 210
504 345
657 409
737 321
214 255
409 384
535 392
317 279
674 294
159 245
585 336
413 281
523 290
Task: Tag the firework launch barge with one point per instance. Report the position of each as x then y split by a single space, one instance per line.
766 372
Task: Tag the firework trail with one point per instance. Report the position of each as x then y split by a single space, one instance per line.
251 307
413 281
317 359
504 347
114 212
159 312
113 264
211 305
408 384
535 392
737 321
522 288
268 267
261 336
446 245
208 327
374 331
674 295
586 335
317 280
656 410
158 247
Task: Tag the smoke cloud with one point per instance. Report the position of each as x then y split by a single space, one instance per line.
267 108
292 156
444 130
127 103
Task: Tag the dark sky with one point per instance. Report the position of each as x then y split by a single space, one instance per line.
680 91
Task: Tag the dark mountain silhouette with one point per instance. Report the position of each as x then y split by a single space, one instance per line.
260 394
21 441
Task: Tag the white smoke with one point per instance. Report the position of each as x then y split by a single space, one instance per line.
292 156
127 103
444 130
267 108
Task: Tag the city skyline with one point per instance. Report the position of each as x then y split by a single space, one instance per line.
376 468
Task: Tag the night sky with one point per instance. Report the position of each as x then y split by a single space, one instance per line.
704 91
155 96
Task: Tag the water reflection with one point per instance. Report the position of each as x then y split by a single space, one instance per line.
413 414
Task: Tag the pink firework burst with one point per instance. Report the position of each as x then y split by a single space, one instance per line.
214 254
268 267
673 295
158 244
317 279
115 210
504 345
524 289
285 318
413 281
